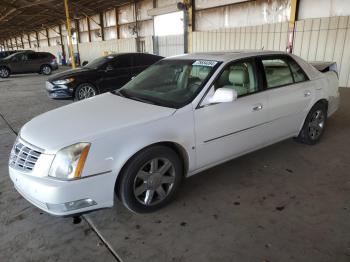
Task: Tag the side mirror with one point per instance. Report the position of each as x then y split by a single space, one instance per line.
84 63
223 95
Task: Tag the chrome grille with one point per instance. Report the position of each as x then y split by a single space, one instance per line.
23 158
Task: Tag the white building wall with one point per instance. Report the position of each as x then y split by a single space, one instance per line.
325 39
323 8
269 36
90 51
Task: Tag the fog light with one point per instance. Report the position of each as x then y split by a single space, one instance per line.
72 205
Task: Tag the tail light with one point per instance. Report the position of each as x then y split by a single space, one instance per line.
53 59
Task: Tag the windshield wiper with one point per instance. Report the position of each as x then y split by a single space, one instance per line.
118 93
141 100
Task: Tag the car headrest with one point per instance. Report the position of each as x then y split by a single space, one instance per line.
203 73
238 76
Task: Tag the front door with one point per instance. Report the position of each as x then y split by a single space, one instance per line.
18 63
117 73
230 129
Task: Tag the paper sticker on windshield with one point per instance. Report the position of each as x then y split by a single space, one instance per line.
210 63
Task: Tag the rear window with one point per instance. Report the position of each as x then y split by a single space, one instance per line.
277 72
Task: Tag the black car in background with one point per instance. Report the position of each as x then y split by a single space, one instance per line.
28 62
101 75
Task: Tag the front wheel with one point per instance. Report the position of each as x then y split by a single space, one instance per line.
84 91
4 72
46 70
150 179
314 125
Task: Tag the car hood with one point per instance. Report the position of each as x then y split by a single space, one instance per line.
70 73
87 120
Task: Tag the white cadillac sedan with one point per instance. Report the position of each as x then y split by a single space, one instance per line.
179 117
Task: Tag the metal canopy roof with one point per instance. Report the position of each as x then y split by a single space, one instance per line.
25 16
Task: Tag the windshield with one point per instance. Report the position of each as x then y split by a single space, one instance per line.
98 62
170 83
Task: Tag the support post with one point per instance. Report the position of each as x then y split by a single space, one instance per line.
89 28
138 49
22 41
291 25
62 44
47 36
188 9
117 22
37 39
16 43
102 27
69 33
29 42
77 30
12 48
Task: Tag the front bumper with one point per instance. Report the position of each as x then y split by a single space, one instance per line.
58 91
46 193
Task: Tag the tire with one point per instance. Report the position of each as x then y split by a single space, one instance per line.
46 70
314 125
84 91
143 190
4 72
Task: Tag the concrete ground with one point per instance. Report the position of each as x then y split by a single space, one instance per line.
287 202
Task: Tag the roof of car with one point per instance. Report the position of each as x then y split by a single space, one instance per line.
225 56
130 53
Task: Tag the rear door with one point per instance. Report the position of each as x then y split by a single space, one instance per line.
290 94
31 62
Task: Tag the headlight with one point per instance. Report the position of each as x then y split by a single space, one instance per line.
63 81
69 161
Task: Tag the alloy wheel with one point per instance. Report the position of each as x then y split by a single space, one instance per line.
154 181
86 91
4 72
316 124
46 70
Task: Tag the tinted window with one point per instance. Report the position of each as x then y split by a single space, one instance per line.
298 73
277 72
239 76
43 55
145 59
99 62
19 57
172 83
32 56
123 61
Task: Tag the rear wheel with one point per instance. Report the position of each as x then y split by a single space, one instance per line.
151 179
46 70
84 91
314 125
4 72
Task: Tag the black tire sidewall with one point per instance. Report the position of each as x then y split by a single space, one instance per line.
304 135
126 192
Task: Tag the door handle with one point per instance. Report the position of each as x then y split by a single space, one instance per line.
307 93
258 107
